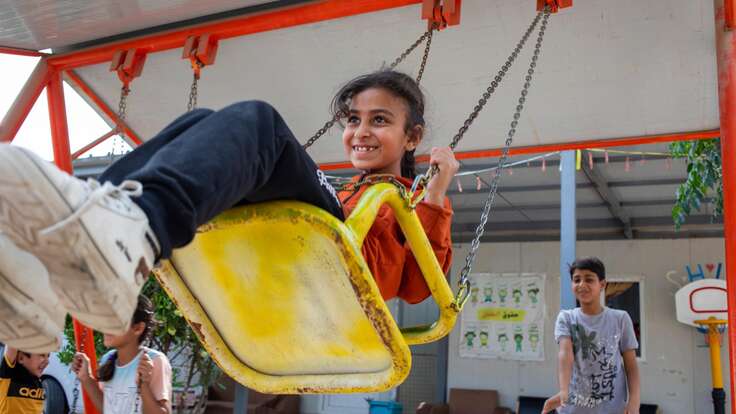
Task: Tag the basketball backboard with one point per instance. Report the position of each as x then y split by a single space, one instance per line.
700 300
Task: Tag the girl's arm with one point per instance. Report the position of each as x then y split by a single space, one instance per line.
80 366
632 380
151 377
564 359
149 403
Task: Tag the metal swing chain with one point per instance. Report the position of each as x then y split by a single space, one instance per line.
423 65
464 281
426 36
78 385
423 180
122 113
194 91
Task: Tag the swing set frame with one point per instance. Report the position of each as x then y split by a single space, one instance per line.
129 56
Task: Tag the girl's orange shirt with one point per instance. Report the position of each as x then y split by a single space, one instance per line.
387 253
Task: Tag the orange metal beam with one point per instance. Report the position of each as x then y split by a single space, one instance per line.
89 93
582 144
13 119
250 24
62 158
93 144
726 59
20 52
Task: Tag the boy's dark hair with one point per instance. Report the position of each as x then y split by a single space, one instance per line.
143 313
397 83
592 264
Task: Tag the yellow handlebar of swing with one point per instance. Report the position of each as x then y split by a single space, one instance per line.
360 222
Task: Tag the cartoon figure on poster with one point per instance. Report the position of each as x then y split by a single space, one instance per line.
503 292
470 338
518 338
532 291
533 336
516 294
483 339
507 320
488 294
503 339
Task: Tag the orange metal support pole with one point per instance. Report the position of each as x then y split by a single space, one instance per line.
63 159
543 149
93 144
725 49
20 52
24 102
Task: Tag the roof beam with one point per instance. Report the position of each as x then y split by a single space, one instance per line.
23 103
600 235
588 205
605 192
226 29
664 221
556 187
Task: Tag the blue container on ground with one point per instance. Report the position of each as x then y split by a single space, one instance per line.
385 407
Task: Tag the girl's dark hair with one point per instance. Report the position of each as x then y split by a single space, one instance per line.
143 313
397 83
592 264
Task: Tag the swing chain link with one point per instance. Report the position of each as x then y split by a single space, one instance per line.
194 90
78 385
427 47
426 36
464 281
424 179
122 113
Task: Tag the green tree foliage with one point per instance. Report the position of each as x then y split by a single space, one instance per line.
704 178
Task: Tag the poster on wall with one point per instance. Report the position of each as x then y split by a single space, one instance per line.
504 317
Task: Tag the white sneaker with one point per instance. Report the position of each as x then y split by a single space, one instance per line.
95 242
31 318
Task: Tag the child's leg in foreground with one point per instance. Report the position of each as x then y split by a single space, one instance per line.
244 153
96 241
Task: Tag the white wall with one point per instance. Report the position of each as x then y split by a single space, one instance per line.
675 372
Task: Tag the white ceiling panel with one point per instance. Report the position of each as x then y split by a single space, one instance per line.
607 69
44 24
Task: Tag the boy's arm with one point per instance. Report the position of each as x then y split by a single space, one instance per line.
10 354
565 359
632 380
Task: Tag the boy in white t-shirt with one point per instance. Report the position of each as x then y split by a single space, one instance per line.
598 373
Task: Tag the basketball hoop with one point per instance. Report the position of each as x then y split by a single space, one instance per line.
703 305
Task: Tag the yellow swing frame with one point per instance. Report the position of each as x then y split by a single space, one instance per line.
281 297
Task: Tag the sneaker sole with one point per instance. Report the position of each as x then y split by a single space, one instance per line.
24 324
86 284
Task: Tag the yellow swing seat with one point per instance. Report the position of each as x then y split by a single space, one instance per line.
281 297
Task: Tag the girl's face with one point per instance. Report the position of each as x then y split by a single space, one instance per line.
130 336
375 136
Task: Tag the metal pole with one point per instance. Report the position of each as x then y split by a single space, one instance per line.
725 46
23 103
63 159
241 399
568 228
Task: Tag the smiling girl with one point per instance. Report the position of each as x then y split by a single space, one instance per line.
154 198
